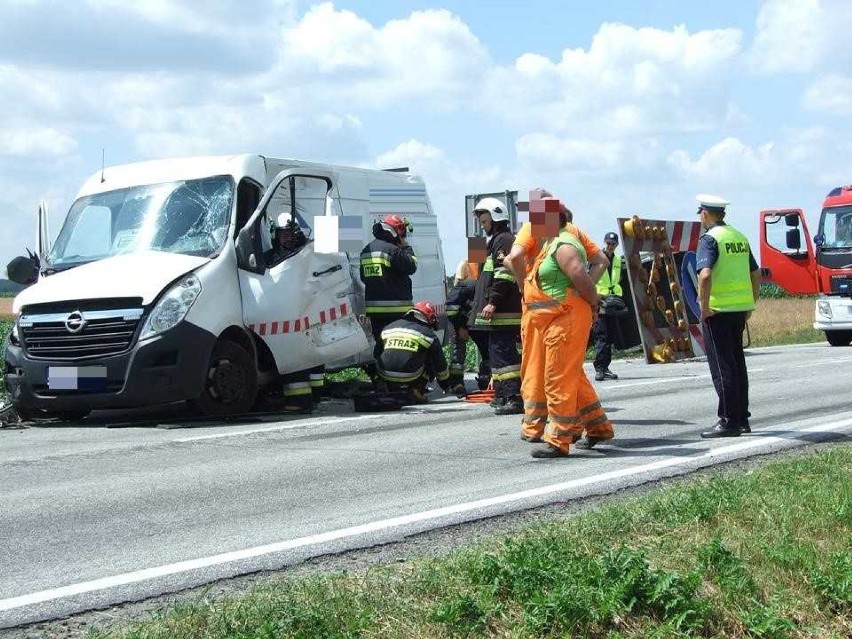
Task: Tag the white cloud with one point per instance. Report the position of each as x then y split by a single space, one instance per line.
629 81
430 55
801 36
830 94
35 142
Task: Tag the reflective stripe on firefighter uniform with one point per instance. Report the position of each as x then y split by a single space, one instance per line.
317 381
559 401
296 388
412 353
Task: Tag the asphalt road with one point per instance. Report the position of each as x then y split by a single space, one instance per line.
91 515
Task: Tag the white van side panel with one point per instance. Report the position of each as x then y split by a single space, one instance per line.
219 306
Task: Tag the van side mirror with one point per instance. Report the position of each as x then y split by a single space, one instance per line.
791 219
23 270
246 248
794 239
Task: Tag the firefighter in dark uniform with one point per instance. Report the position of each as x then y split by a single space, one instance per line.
387 264
459 307
608 284
497 308
728 288
412 355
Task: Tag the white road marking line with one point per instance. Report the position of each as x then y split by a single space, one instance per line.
664 380
271 429
395 522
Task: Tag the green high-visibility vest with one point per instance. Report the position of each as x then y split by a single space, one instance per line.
730 287
611 284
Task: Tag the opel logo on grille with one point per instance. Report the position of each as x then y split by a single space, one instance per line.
75 322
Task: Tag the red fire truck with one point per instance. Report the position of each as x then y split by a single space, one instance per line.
823 266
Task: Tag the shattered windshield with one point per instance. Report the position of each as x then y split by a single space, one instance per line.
189 217
836 227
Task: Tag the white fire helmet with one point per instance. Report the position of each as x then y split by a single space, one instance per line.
494 206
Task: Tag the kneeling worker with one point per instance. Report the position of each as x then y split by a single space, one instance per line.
412 355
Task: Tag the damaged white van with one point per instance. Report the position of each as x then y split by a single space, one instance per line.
157 290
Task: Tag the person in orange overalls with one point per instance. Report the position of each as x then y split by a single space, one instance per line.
527 245
561 300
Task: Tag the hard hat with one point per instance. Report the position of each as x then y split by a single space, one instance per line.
425 312
712 203
610 237
285 221
395 225
493 206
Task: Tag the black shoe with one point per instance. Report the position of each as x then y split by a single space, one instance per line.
532 440
721 429
548 451
745 428
599 376
608 374
587 443
512 407
497 402
482 382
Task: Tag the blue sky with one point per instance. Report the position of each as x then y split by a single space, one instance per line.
620 107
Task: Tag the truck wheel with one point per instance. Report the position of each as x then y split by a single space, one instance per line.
839 338
231 384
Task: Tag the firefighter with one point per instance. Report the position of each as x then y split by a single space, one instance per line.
608 284
387 264
412 355
296 389
561 299
316 378
527 246
289 240
497 308
459 306
728 288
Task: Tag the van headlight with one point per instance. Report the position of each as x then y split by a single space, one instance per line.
15 336
173 307
824 309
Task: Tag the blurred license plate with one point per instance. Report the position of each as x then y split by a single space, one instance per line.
84 378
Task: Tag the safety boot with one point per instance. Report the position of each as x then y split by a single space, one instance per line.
548 451
514 406
497 402
587 443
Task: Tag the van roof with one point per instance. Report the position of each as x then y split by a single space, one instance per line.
194 167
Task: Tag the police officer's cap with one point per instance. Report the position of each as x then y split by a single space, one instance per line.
712 203
610 237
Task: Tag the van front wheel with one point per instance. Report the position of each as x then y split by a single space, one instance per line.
230 387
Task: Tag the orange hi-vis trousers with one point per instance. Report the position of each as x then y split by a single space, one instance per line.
559 401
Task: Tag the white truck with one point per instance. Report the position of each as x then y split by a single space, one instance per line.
157 291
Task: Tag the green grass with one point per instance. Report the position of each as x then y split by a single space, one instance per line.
761 553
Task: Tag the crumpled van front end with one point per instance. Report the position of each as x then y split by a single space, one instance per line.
109 334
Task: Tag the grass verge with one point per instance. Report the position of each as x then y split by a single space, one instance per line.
763 553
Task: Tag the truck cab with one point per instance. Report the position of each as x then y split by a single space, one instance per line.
159 287
820 266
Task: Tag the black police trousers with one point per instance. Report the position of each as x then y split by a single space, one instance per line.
603 342
723 344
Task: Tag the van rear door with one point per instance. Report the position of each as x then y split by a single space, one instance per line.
299 302
786 253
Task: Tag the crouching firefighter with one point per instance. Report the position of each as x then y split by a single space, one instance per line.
387 264
497 308
412 355
459 307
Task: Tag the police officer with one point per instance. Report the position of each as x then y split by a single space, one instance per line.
608 284
387 264
459 307
497 308
728 288
289 239
412 354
